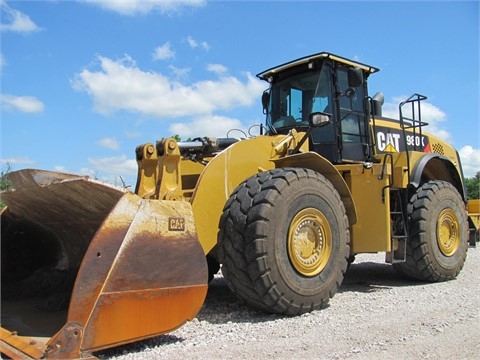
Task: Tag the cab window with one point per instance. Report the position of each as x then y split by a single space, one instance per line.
352 116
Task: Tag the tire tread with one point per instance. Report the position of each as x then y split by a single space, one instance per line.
242 249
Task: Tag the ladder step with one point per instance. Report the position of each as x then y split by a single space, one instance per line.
400 253
399 240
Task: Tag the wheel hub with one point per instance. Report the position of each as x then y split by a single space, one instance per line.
309 242
448 237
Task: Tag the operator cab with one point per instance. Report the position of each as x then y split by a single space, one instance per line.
328 84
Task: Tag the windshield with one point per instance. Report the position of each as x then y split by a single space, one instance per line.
294 98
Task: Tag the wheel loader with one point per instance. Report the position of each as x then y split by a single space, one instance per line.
88 266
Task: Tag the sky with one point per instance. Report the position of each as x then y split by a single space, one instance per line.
84 82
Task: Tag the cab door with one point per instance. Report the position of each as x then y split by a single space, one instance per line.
352 122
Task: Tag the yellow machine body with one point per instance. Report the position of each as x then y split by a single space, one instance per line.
88 266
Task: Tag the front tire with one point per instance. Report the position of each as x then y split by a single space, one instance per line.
438 240
284 241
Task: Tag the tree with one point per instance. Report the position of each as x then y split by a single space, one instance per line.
473 186
5 183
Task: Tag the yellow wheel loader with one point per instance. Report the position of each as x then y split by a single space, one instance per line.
88 266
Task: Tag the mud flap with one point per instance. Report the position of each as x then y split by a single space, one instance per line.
143 272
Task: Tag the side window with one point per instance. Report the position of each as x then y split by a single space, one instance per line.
353 102
289 102
320 104
294 101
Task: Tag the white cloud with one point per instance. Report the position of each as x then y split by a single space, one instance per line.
217 68
179 72
163 52
121 85
431 114
21 160
15 21
194 43
2 62
27 104
89 172
124 180
470 158
117 165
109 143
134 7
60 168
214 125
132 134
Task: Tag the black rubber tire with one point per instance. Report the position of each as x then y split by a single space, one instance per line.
253 236
425 260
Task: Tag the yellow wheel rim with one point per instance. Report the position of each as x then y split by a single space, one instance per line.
309 242
448 235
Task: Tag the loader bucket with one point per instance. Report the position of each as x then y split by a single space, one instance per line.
88 266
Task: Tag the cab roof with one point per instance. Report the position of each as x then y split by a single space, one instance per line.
306 59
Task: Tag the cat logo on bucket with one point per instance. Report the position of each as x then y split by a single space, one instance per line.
176 224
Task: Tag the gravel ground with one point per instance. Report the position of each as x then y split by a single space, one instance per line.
376 314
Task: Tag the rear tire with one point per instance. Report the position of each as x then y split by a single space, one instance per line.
284 241
438 240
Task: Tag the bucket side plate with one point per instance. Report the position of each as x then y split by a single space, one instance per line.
144 275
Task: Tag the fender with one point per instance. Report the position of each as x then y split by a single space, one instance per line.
314 161
438 167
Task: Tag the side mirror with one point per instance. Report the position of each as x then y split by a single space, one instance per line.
355 77
319 119
265 101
